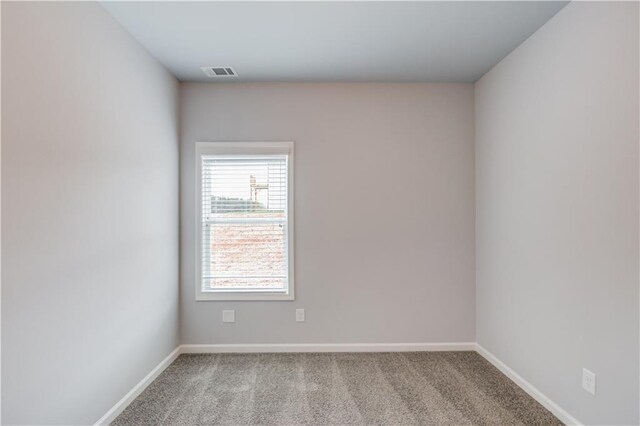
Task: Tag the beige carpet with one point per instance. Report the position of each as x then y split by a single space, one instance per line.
426 388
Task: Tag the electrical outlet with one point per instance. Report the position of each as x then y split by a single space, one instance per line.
300 315
588 381
229 316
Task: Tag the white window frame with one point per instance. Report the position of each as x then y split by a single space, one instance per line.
244 148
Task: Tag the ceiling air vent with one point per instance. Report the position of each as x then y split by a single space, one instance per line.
219 72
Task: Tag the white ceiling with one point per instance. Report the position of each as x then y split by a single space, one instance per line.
333 41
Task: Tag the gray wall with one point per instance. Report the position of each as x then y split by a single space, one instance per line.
383 207
557 210
90 213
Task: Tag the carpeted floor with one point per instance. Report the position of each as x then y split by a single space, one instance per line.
426 388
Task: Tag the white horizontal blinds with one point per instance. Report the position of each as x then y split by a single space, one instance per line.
244 223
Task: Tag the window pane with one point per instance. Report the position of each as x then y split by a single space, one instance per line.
246 255
244 223
243 186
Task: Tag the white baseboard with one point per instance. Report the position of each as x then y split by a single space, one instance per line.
545 401
328 347
137 389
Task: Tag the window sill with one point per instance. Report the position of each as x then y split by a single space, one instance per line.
239 296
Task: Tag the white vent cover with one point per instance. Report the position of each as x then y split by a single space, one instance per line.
219 72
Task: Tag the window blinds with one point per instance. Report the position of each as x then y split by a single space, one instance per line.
244 223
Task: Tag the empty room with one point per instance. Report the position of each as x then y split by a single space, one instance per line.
320 213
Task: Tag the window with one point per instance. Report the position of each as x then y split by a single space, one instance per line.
245 220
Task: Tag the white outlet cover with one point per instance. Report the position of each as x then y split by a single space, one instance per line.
589 381
300 315
229 316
